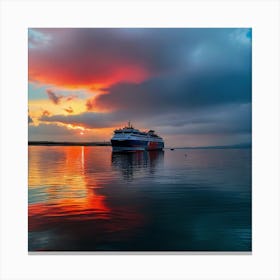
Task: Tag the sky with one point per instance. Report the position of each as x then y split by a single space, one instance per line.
193 86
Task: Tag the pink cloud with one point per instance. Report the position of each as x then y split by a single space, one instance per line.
85 58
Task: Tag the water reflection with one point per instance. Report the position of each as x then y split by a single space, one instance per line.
137 163
76 200
59 188
88 199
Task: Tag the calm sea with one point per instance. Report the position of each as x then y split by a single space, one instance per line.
90 199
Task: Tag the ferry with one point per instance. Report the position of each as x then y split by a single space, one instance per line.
131 139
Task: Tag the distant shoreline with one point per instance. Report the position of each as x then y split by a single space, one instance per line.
52 143
209 148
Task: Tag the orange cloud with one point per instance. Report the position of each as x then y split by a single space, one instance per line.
46 113
90 104
90 58
69 110
52 74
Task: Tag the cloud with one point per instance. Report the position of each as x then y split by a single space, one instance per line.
83 58
70 97
46 113
88 120
50 132
69 110
37 39
178 93
56 99
183 81
100 57
220 119
231 119
90 104
215 126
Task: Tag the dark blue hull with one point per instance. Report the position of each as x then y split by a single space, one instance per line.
134 145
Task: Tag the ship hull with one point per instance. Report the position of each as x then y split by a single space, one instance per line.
136 145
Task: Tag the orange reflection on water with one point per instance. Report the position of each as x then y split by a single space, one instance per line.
82 198
58 174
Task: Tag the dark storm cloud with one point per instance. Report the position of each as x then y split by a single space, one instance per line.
188 80
228 119
185 92
110 55
210 80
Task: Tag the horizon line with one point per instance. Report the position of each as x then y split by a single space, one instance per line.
108 143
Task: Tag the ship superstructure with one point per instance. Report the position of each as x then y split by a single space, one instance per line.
131 139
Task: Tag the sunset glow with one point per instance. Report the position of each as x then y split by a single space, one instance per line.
88 82
139 140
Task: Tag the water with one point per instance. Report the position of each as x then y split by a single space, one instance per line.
88 199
